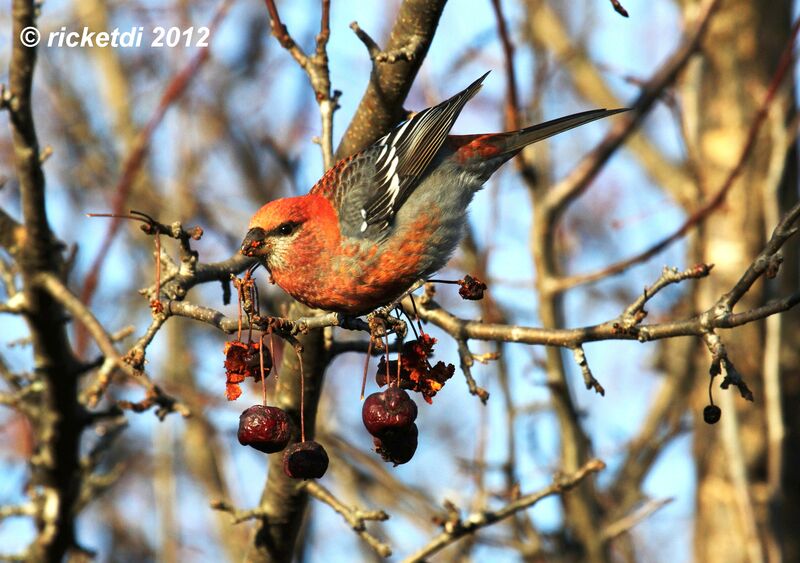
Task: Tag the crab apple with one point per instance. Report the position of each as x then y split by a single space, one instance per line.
266 429
305 460
398 446
388 410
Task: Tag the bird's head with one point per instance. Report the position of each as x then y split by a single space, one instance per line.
290 232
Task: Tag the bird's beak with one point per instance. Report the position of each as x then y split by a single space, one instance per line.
254 241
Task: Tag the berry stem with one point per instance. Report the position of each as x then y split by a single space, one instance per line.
710 397
387 357
261 363
399 355
416 314
239 298
302 397
710 383
272 353
366 367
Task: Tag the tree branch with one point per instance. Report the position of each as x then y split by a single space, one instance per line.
560 195
381 106
455 530
355 517
55 463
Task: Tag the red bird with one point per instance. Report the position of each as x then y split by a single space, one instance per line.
392 214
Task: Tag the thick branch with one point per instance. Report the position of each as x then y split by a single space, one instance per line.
55 463
381 105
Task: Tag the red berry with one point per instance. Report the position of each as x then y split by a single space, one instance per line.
266 429
398 446
389 410
305 460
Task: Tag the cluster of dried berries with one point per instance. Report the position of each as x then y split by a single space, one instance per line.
269 430
243 361
415 370
389 416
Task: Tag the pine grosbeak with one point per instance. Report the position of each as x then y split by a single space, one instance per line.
392 214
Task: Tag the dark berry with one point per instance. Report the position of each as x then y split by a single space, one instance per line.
471 288
711 414
398 446
305 460
388 410
266 429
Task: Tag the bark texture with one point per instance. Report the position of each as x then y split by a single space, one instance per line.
739 509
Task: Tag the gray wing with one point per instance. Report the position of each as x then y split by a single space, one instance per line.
380 179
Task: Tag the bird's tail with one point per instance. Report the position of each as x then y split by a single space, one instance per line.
514 141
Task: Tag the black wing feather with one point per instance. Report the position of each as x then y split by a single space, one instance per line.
405 153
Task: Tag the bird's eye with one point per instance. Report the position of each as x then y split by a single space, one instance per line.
286 229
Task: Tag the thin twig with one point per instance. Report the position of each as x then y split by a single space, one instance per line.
619 8
238 515
567 190
628 521
635 312
766 262
467 360
713 203
136 157
316 68
50 283
588 377
455 530
355 517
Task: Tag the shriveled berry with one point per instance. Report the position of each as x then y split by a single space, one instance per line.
398 446
305 460
471 288
712 414
266 429
388 410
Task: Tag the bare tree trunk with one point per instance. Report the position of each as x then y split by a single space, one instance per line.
58 424
723 93
785 504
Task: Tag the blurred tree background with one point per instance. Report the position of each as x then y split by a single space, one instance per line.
700 171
